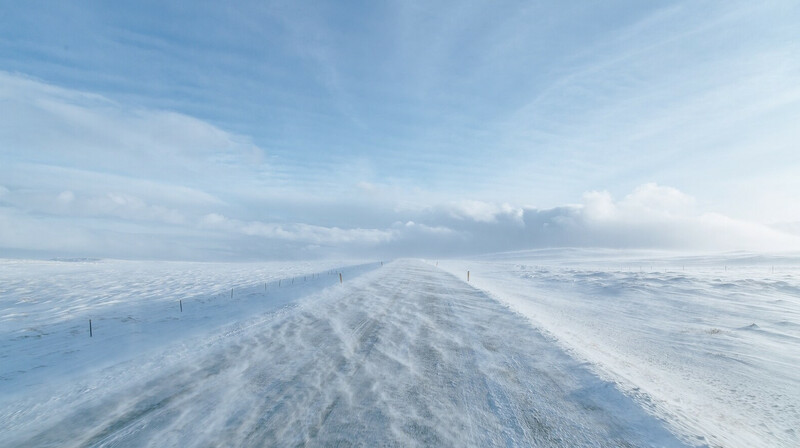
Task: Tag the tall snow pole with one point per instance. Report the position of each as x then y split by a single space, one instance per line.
340 278
90 328
467 275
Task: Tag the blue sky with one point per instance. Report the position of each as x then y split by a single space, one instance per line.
275 129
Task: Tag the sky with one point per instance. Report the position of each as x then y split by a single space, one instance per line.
292 129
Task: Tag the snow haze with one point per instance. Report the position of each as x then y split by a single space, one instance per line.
296 130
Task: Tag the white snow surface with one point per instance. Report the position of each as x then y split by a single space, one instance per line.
711 344
398 355
45 307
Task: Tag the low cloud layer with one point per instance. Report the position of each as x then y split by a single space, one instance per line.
81 175
115 225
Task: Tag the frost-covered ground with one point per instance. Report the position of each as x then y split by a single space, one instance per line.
399 355
709 343
45 307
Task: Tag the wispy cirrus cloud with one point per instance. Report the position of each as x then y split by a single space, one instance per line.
51 126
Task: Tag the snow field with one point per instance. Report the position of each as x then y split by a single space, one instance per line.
404 355
711 344
45 307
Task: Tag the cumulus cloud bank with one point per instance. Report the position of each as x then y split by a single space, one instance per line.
652 216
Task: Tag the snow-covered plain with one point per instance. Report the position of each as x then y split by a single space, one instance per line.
45 307
399 355
711 344
543 348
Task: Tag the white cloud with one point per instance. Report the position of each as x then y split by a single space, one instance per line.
117 205
422 228
653 199
79 156
79 176
599 205
480 211
368 187
297 232
69 127
66 197
129 207
651 216
57 140
664 217
647 202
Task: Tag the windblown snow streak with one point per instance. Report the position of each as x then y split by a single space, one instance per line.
406 355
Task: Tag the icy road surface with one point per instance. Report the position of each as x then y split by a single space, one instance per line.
405 355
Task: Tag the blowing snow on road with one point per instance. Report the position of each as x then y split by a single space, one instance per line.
405 355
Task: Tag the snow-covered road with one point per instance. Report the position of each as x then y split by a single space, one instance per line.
405 355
